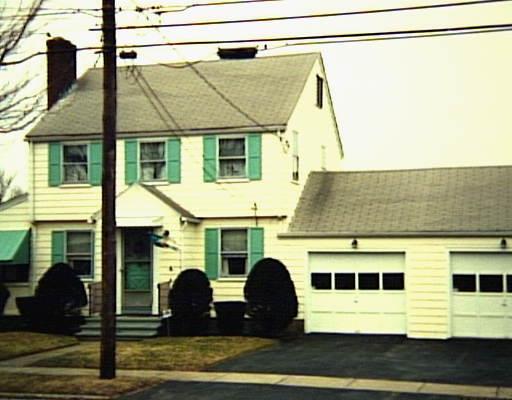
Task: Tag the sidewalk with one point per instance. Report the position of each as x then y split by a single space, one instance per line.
21 365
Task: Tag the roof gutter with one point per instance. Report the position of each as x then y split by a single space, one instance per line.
427 234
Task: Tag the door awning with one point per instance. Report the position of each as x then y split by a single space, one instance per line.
14 247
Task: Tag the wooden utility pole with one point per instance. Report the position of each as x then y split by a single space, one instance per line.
108 197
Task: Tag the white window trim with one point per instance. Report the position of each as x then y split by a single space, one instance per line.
91 234
139 161
62 173
247 252
246 159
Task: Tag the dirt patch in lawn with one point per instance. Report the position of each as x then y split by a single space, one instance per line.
76 385
16 344
169 353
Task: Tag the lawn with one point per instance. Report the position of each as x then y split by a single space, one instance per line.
166 353
15 344
77 385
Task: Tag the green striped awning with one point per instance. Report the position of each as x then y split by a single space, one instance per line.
14 247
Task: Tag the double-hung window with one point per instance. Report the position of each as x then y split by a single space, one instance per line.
232 158
152 161
233 252
75 163
295 156
75 248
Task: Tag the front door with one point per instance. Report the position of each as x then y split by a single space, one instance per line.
137 296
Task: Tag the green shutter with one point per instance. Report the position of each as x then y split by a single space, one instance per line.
174 160
54 164
256 245
209 158
58 246
254 156
130 161
96 158
211 252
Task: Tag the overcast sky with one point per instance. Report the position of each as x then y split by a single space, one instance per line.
410 103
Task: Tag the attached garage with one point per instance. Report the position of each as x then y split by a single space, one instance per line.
481 294
356 293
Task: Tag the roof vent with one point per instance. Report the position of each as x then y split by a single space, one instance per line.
237 53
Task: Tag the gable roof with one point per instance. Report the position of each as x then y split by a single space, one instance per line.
428 202
266 88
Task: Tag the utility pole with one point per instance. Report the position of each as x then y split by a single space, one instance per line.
108 195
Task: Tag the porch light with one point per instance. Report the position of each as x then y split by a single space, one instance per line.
503 243
354 244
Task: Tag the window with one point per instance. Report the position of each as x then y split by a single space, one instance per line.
491 283
393 281
152 161
295 156
72 163
319 91
234 252
369 281
232 158
75 163
79 252
509 283
464 283
321 281
345 281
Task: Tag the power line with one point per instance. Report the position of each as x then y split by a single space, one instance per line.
309 16
439 31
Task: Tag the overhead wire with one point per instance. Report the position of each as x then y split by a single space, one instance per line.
310 16
448 31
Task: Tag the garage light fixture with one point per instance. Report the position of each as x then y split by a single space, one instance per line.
354 244
503 243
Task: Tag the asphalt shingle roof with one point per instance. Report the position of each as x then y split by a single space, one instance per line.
444 201
266 88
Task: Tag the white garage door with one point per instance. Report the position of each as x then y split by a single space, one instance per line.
356 293
482 295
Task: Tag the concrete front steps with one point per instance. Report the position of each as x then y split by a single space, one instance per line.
127 327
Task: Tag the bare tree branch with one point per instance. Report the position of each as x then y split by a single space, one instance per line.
18 107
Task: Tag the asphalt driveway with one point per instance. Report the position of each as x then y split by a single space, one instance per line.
460 361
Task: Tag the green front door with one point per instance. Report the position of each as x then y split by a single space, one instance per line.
137 271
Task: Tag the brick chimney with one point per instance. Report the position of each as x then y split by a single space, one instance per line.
61 69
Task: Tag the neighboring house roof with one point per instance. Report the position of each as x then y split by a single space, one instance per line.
13 201
475 201
265 89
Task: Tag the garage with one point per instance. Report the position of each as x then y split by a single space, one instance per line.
356 293
481 294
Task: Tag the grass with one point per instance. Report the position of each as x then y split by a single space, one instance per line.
77 385
15 344
168 353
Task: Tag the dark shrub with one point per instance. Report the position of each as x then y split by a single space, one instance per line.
190 301
270 296
4 296
57 302
230 316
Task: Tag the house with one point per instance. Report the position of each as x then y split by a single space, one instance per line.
423 253
215 153
223 162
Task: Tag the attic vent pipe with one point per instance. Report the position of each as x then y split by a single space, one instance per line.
237 53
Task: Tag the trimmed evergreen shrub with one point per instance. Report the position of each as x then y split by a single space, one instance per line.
190 301
270 295
56 305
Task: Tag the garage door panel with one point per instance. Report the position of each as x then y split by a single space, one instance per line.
480 304
322 302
